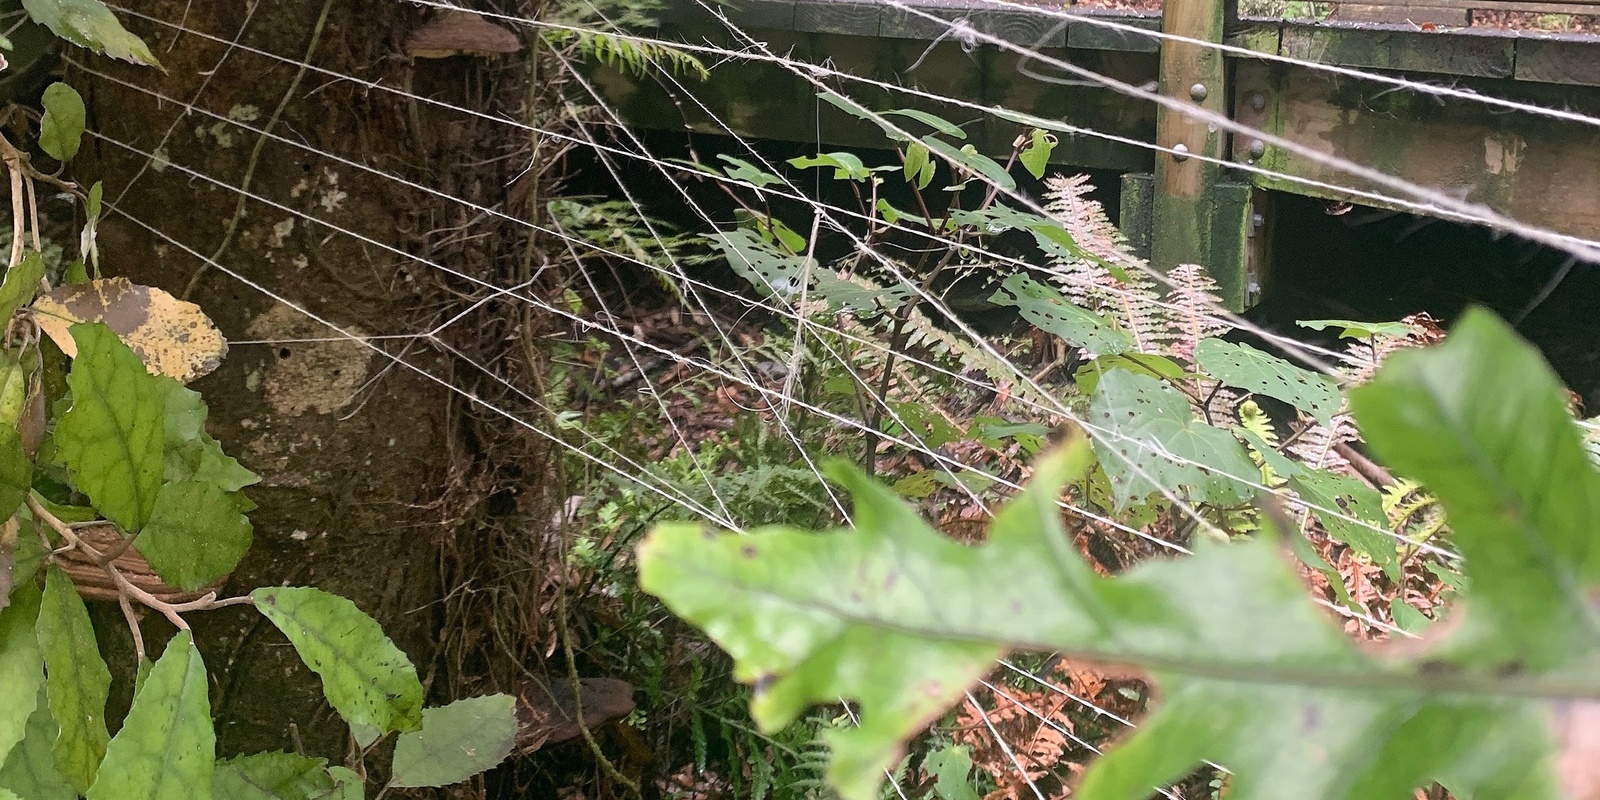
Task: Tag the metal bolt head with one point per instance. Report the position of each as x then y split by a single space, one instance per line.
1258 148
1258 101
1180 152
1198 92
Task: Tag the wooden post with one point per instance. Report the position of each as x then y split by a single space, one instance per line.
1197 218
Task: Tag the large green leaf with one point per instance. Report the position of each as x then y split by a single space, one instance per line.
1250 369
61 129
30 770
365 677
195 536
1148 439
166 749
1481 420
16 472
21 284
271 776
1046 309
456 742
772 272
88 23
21 666
190 454
1254 677
112 437
78 681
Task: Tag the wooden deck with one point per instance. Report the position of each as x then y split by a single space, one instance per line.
1537 170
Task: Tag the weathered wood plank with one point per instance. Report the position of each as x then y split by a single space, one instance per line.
1458 16
1134 217
1262 37
1085 35
1026 28
760 14
1456 53
1538 171
898 23
837 16
1558 61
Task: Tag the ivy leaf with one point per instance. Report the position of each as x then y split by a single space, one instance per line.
166 749
271 776
364 676
61 129
21 284
1482 422
1035 155
78 681
1149 440
456 742
88 23
1046 309
111 437
16 472
1247 368
195 535
21 666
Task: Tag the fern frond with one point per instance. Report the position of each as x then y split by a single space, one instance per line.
1188 310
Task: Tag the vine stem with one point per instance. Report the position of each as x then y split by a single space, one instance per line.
125 589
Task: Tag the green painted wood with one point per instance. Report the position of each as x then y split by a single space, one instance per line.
1538 171
1134 217
1464 52
1557 60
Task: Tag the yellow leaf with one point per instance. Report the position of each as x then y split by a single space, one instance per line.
173 337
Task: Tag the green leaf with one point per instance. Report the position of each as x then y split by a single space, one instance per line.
347 785
769 270
1482 422
21 666
364 676
919 169
1046 309
1352 329
78 681
846 166
195 536
1035 155
950 765
1245 367
88 23
61 129
16 472
13 389
972 161
1341 503
166 749
271 776
743 170
1088 376
111 437
21 284
939 124
1148 439
456 742
30 770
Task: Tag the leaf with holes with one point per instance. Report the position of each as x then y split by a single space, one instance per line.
456 742
61 128
88 23
1148 440
111 437
30 769
364 676
1046 309
769 270
271 776
195 536
1245 367
78 681
166 749
1350 511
